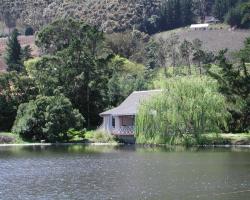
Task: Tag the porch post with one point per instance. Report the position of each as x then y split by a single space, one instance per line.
117 123
107 121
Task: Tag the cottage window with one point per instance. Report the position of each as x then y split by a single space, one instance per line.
113 122
127 121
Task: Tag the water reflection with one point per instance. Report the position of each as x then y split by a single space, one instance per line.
123 172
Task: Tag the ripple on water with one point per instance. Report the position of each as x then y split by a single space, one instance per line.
78 172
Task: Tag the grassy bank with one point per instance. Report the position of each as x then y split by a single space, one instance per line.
206 139
100 137
90 137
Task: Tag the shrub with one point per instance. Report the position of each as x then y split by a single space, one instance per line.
75 134
99 136
47 118
14 90
239 16
29 31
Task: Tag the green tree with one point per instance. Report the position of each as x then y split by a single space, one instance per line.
244 53
127 77
76 54
8 18
187 14
198 54
175 13
14 90
29 31
47 118
152 54
13 53
173 53
234 84
239 16
221 8
186 49
185 107
26 53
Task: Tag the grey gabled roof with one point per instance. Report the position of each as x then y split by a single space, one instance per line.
131 104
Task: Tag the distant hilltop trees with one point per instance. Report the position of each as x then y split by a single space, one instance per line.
149 16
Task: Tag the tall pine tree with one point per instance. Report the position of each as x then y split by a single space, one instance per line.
187 14
221 7
13 53
234 84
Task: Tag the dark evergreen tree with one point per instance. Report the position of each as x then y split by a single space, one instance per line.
221 8
26 53
239 16
175 14
187 15
234 84
29 31
13 53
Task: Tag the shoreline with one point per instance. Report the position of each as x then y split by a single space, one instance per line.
122 144
61 144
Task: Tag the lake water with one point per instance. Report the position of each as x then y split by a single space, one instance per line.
126 172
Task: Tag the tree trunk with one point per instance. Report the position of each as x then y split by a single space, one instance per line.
199 65
189 67
88 107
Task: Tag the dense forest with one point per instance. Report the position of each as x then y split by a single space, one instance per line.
149 16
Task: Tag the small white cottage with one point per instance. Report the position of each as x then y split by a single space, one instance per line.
120 121
199 26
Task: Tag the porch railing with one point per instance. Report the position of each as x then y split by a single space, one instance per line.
124 130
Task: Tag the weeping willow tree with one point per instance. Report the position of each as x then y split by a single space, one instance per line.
185 107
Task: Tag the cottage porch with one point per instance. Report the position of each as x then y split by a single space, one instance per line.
119 125
120 121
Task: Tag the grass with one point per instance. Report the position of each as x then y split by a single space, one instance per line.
99 137
206 139
90 136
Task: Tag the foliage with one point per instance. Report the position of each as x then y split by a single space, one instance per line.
234 84
176 13
75 64
126 78
26 53
173 44
186 49
14 90
29 31
98 136
221 7
47 118
239 16
133 45
13 53
172 53
187 106
73 134
244 53
234 12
